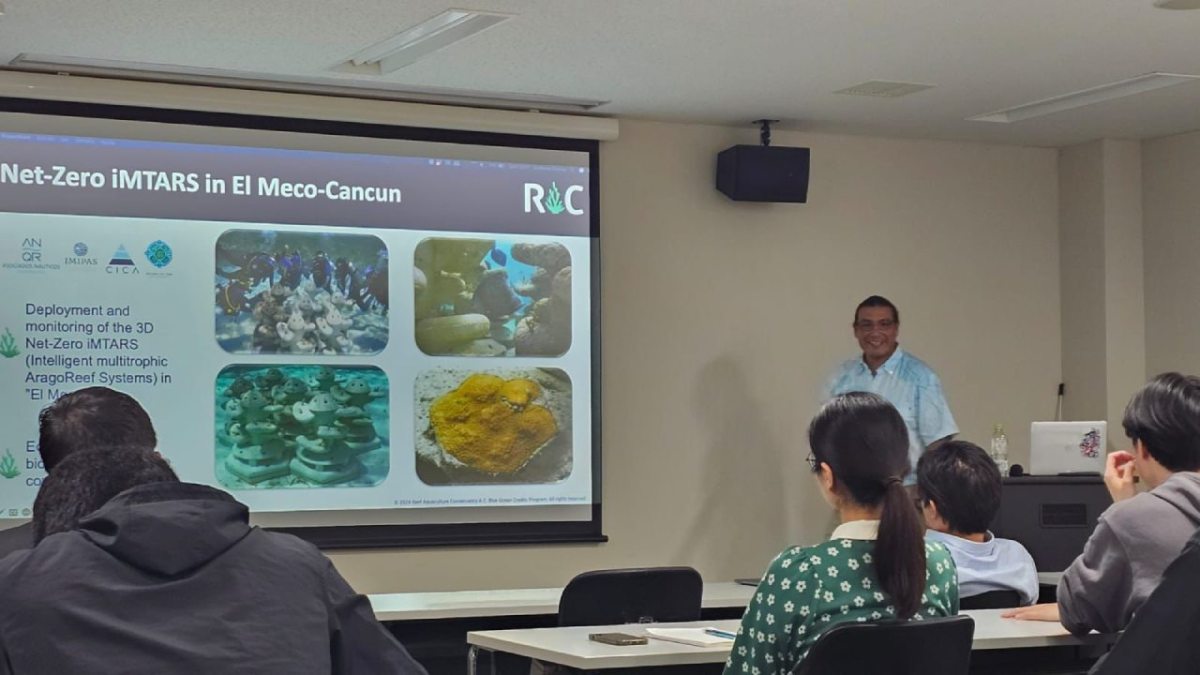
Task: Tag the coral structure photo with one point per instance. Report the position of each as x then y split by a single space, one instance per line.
493 426
301 293
483 297
301 426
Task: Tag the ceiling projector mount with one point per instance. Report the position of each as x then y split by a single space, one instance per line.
764 130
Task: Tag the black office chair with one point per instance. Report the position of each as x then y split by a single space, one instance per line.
1164 636
991 600
939 646
651 594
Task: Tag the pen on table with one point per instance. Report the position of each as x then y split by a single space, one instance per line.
720 633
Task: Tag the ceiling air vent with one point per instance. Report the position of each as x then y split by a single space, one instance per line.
883 89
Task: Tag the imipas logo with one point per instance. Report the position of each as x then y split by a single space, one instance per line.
550 200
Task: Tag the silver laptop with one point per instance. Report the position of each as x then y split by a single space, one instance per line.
1067 447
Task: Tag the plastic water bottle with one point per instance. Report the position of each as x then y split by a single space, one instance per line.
999 451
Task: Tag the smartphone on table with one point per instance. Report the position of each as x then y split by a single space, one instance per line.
619 639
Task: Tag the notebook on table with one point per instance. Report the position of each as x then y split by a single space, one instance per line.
697 637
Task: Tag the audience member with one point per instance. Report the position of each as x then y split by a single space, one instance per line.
1140 534
137 572
959 490
875 566
85 419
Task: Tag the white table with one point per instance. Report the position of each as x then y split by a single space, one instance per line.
1049 578
571 646
516 602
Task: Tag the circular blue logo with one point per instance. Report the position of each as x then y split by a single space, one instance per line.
80 249
158 253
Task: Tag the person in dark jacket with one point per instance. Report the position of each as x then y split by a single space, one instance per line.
85 419
137 572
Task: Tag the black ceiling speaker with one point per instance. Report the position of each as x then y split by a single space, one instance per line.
761 173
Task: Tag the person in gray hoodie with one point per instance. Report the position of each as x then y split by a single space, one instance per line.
1141 533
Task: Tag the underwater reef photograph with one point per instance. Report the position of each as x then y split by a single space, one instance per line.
508 425
301 426
318 293
484 297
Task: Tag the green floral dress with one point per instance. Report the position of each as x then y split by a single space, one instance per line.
806 591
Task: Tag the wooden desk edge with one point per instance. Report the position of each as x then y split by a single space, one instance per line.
490 640
718 595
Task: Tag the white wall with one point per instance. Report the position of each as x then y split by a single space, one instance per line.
1171 206
721 320
1124 292
1081 272
1100 268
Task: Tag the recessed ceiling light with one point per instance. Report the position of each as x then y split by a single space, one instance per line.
407 47
1085 97
1177 4
884 89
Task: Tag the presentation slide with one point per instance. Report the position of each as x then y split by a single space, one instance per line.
399 334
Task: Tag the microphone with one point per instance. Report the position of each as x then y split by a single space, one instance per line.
1016 471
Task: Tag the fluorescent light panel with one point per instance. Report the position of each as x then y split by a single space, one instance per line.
328 86
1086 97
884 89
1177 4
425 38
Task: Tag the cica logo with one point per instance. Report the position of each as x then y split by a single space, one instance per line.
542 200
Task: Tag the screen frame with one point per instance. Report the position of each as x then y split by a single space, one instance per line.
411 535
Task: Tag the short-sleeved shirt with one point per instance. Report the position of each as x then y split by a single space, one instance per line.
910 385
806 591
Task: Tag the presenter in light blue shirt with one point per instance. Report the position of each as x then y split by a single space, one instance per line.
901 378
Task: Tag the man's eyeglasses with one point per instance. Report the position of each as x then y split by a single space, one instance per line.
812 462
872 325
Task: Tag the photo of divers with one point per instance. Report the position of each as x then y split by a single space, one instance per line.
296 426
280 292
485 297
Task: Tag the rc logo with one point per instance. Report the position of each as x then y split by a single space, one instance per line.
121 263
159 254
543 200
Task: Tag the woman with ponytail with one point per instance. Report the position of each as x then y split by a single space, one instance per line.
877 564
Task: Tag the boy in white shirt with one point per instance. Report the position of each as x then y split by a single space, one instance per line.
959 490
